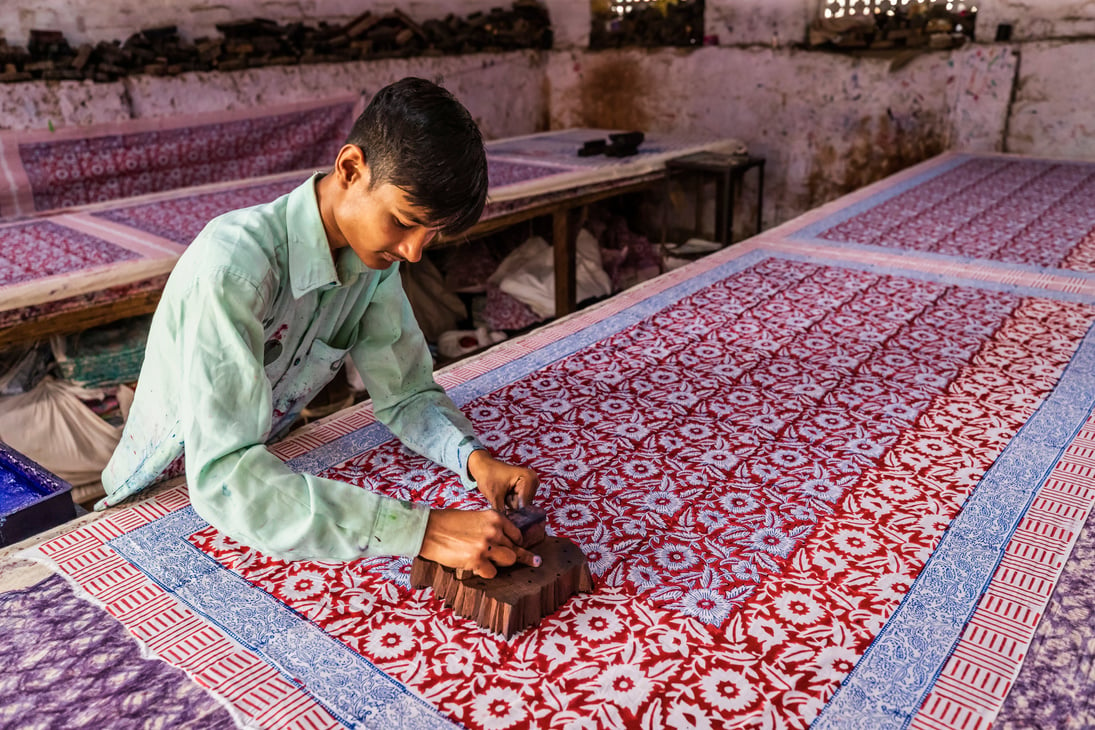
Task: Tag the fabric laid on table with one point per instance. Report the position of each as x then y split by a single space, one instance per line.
53 427
435 307
1057 686
22 368
67 664
528 273
107 355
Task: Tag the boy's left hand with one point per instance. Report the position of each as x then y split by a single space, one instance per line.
504 485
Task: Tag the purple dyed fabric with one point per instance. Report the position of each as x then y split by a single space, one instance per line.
68 664
1056 686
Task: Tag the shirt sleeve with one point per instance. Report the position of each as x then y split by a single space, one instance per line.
235 483
397 369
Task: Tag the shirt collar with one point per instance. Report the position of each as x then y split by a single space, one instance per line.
311 265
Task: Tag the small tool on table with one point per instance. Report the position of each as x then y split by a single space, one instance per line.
520 595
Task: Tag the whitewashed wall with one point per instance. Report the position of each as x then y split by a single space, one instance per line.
827 123
485 83
95 20
1053 111
1038 20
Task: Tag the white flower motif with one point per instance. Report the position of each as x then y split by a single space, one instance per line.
788 458
836 661
644 577
766 422
573 515
768 633
899 490
559 649
664 503
460 661
675 557
391 641
556 405
600 558
798 608
498 708
706 605
361 601
304 584
719 459
570 469
899 411
727 690
624 685
771 541
598 624
639 469
557 439
893 586
670 442
632 430
738 502
851 542
822 489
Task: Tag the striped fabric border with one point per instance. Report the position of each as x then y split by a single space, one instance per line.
169 629
983 667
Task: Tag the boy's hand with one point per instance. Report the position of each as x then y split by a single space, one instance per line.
476 541
504 485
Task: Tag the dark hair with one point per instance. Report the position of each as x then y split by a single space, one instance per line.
417 136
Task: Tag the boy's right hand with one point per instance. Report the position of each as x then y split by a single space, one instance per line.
475 541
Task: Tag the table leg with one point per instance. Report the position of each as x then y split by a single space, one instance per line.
566 285
760 194
724 209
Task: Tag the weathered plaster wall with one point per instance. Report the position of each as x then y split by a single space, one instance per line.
827 123
1052 112
502 91
82 20
766 22
1035 20
979 88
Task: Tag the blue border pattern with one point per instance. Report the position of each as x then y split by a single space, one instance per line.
809 233
899 668
347 685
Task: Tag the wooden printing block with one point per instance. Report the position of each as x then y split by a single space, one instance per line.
519 596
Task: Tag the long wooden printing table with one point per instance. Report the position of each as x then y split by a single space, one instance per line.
838 475
94 264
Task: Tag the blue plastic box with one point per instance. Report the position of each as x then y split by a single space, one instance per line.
31 498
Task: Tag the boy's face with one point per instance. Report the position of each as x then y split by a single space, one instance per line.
382 227
379 224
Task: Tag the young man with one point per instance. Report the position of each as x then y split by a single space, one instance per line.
257 317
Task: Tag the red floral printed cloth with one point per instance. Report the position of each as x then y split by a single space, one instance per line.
816 486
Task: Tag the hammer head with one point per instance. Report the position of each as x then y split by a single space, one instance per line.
532 522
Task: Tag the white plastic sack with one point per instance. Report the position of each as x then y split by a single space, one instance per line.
528 273
50 425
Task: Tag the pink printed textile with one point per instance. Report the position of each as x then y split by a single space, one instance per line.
83 165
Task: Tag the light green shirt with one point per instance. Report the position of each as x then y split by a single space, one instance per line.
255 319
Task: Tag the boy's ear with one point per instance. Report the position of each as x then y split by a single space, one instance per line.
350 165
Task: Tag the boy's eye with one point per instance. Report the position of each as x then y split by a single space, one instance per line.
401 224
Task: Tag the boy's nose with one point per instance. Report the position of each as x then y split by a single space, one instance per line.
416 241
